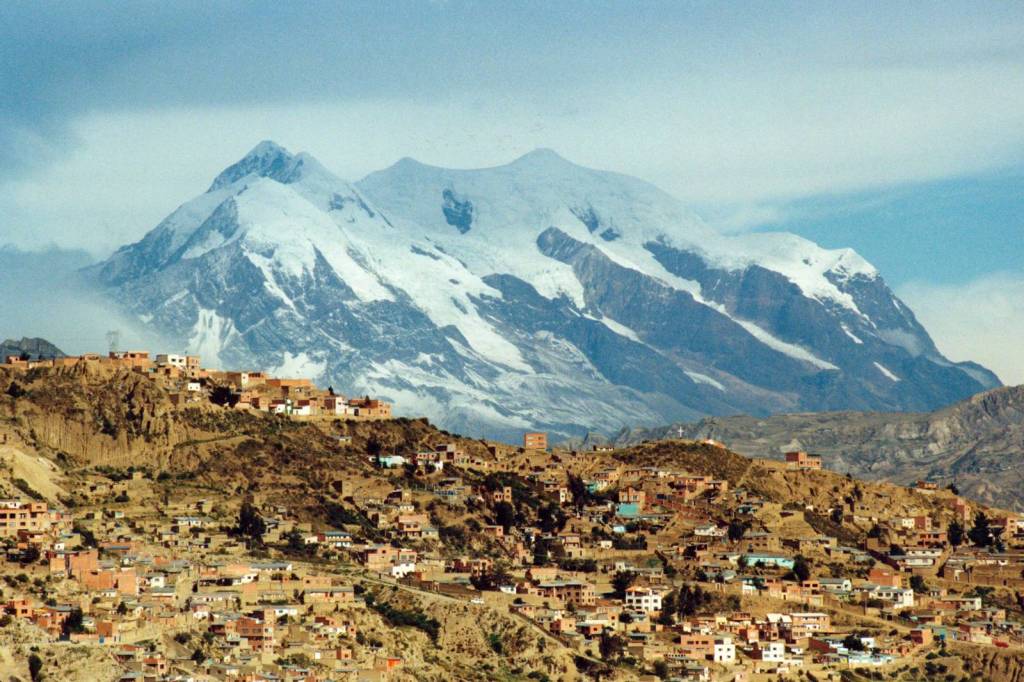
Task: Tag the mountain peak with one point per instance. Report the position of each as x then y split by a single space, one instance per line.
33 347
537 294
539 159
267 159
267 148
542 156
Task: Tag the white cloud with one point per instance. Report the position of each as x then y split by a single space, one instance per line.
738 111
982 320
44 298
739 143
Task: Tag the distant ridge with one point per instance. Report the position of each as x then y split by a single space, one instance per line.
33 347
976 444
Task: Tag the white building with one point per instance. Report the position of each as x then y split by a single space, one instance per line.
709 530
164 360
771 651
643 599
836 584
400 570
283 610
899 597
725 650
154 580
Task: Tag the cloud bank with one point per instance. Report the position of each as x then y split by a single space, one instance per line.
112 117
982 320
43 298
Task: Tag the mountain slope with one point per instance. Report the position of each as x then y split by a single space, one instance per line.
978 443
538 294
33 348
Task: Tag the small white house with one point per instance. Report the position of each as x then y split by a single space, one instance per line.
402 569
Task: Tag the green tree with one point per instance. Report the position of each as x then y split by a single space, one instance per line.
737 529
491 580
918 584
668 608
955 534
853 642
690 600
541 551
610 646
981 532
494 639
621 582
580 493
505 515
295 541
250 524
73 623
15 390
35 667
551 518
801 569
222 395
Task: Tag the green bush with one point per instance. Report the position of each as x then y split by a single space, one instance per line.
400 617
22 485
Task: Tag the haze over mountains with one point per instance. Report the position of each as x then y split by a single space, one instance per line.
539 294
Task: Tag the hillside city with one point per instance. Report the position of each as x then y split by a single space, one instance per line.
325 538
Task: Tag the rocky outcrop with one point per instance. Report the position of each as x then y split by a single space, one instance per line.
988 663
96 416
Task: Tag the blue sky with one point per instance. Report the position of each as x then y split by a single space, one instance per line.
951 230
895 129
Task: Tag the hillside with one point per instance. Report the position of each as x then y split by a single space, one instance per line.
537 294
976 444
505 564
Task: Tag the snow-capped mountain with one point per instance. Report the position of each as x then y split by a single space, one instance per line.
539 294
